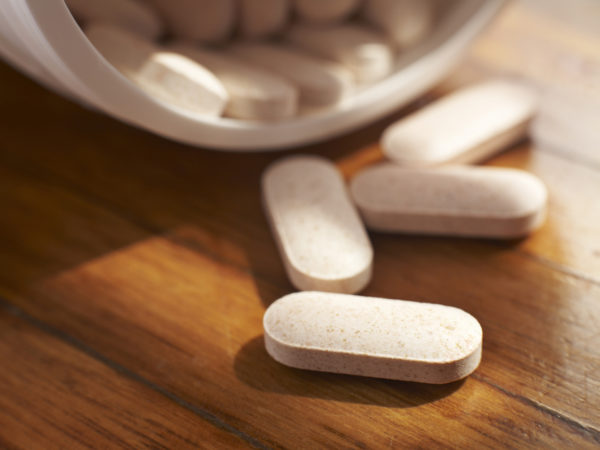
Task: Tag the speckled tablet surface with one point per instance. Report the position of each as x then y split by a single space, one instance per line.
254 93
168 76
375 337
131 15
406 22
320 82
319 12
365 52
452 200
320 236
262 18
206 21
466 126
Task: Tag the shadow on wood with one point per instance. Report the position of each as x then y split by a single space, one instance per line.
254 367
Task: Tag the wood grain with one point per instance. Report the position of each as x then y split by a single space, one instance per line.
205 279
570 238
53 395
193 324
139 270
204 182
554 48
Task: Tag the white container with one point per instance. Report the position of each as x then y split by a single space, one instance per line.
41 38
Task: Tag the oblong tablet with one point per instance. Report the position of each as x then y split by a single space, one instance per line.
454 200
320 236
173 78
406 22
466 126
366 53
320 82
209 21
262 18
325 12
374 337
132 15
254 93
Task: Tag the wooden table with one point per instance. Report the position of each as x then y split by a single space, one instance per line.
135 272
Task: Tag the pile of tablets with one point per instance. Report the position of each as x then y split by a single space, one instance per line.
275 59
254 59
319 227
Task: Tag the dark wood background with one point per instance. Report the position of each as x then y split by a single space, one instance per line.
134 273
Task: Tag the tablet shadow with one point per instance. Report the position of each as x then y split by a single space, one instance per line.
255 368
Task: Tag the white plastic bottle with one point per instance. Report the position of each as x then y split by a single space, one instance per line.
41 38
